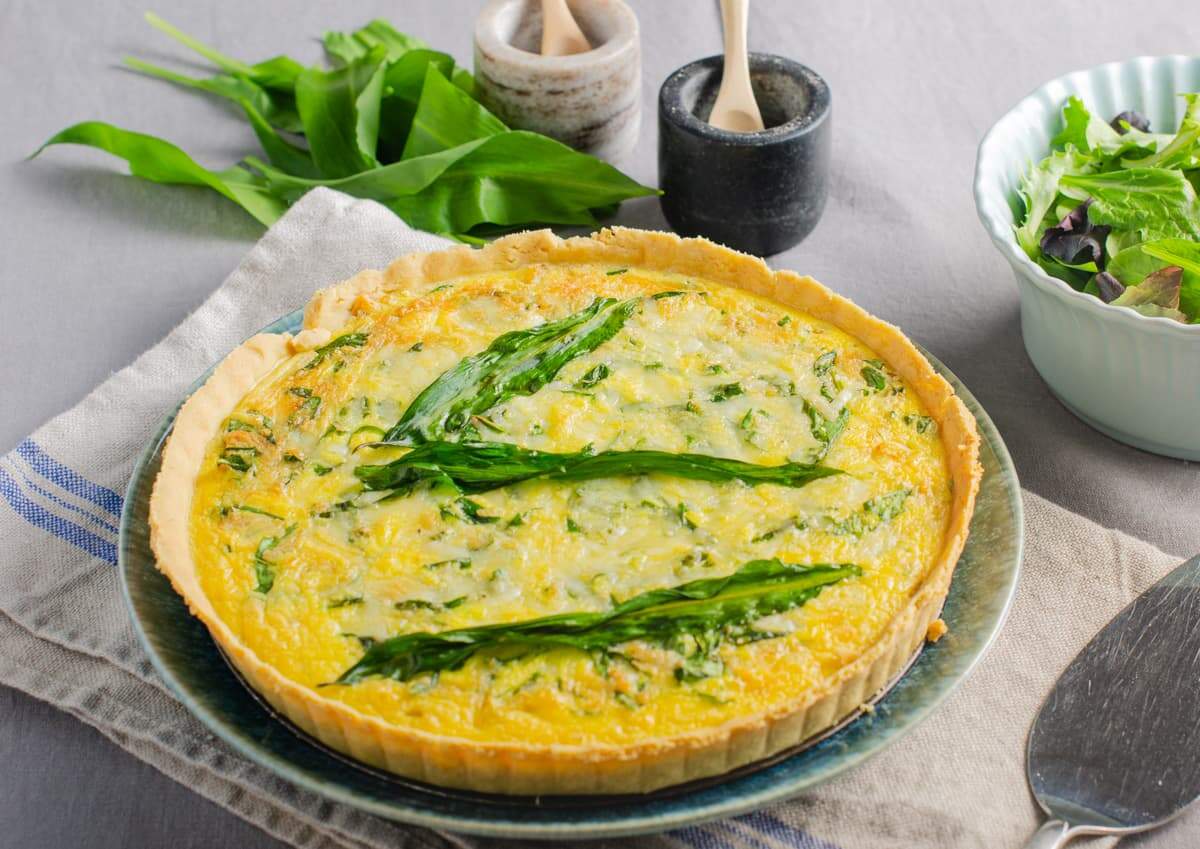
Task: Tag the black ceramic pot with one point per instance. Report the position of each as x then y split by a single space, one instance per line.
757 192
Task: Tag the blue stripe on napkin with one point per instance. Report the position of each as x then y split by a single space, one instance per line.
65 529
68 479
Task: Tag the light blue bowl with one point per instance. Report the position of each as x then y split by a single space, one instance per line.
1133 377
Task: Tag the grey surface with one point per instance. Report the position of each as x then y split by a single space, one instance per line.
96 266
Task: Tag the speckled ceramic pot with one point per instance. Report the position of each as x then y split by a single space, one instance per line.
758 192
591 101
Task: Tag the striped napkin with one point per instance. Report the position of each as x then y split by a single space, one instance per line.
65 636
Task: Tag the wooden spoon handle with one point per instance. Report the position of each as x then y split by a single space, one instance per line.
561 35
736 109
733 18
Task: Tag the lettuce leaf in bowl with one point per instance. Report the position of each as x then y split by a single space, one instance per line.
1115 199
1133 265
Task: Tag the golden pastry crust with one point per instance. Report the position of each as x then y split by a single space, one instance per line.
520 768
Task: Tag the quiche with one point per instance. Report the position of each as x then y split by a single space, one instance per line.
589 516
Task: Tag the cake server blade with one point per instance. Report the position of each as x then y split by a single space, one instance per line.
1116 746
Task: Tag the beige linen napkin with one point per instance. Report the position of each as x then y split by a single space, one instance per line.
65 637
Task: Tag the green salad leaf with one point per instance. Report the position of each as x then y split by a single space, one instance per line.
1113 204
1133 265
391 120
1155 202
709 611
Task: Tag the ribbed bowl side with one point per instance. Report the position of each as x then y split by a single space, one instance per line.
1135 378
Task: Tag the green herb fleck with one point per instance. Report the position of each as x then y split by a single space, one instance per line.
825 430
726 391
264 570
594 375
921 424
472 511
684 515
824 363
874 377
346 340
626 700
306 411
246 508
238 459
461 564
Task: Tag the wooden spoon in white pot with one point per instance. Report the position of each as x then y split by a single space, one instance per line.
736 109
561 35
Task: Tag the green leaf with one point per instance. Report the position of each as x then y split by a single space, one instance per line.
1095 136
277 73
348 47
403 82
1183 151
340 113
219 59
282 153
1157 295
482 466
162 162
708 611
277 108
512 179
1039 191
517 363
1133 265
1157 202
446 117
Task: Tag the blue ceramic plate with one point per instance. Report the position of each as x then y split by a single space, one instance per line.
189 661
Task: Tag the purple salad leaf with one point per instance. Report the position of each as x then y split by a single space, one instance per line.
1130 118
1076 240
1110 288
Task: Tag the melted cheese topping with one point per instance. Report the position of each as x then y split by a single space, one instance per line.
305 570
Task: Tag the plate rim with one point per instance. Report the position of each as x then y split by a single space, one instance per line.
406 812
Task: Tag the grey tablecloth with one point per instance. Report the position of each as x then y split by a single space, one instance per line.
110 264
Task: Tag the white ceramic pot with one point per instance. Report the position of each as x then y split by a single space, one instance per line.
590 101
1132 377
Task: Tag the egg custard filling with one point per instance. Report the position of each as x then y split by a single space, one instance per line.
566 506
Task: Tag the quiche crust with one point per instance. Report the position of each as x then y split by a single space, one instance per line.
528 769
